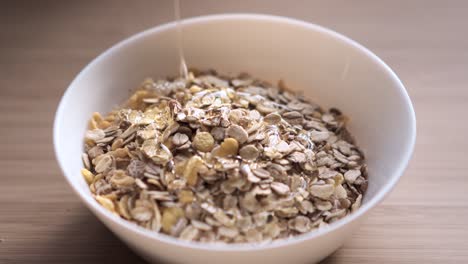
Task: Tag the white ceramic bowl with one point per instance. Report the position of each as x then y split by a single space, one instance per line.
324 65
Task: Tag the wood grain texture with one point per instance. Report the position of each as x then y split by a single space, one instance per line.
44 44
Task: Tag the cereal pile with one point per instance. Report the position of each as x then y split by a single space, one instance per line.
223 159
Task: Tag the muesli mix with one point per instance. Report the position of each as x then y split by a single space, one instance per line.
223 159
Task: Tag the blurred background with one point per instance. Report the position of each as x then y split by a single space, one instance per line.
44 44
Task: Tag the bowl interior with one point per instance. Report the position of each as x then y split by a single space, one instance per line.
322 65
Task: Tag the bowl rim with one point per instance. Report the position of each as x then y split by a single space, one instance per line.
241 247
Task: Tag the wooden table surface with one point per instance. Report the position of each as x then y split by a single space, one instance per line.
44 44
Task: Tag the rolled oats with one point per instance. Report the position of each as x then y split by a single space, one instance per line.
262 173
238 133
180 139
300 224
351 175
249 152
322 191
217 159
86 162
280 188
189 233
